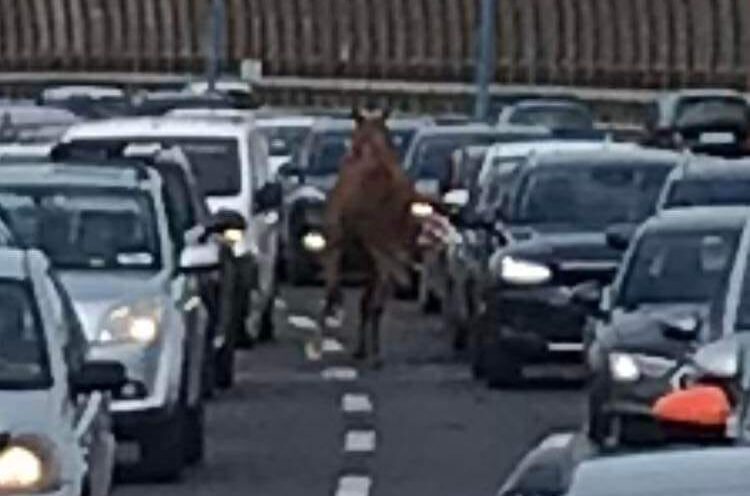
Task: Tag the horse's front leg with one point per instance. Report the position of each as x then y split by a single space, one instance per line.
365 319
380 295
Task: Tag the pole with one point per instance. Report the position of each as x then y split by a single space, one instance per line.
215 43
485 59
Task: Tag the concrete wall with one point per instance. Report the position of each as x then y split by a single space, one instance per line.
605 43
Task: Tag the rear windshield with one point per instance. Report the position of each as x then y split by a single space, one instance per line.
554 117
707 192
678 267
284 140
697 111
589 197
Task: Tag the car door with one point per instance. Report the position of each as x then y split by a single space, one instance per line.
91 421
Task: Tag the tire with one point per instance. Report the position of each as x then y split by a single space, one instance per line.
599 426
195 440
265 323
224 366
163 448
502 369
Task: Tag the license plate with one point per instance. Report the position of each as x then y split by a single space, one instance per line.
717 138
127 453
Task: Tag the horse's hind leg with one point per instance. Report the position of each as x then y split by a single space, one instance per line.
365 319
380 293
332 275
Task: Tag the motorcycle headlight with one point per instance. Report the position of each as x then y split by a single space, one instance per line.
233 236
421 210
137 322
523 272
624 367
28 465
314 242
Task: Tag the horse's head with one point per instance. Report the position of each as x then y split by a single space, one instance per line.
370 125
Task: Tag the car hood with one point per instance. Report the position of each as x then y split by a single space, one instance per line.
560 248
640 331
95 293
32 412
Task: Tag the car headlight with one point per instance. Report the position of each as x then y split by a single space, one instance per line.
421 210
314 241
137 322
28 466
233 236
624 367
523 272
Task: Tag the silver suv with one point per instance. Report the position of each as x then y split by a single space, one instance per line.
106 233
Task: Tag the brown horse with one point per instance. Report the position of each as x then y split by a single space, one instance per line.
373 209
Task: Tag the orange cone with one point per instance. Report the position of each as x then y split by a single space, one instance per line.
700 405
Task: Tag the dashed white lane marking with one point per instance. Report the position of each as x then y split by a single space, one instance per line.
331 345
340 374
354 485
303 322
360 441
312 351
356 403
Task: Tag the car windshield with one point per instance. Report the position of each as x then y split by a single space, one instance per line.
215 163
554 117
696 111
284 140
705 192
401 139
23 355
327 152
589 197
85 228
678 267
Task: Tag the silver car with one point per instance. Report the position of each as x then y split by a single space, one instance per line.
55 424
105 231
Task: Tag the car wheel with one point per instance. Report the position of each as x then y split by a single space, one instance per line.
479 356
162 448
224 366
598 424
265 323
195 441
503 370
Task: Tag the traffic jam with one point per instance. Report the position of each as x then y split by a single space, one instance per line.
175 263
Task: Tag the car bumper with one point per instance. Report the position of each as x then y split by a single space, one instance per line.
64 490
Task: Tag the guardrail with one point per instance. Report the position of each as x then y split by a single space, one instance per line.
593 43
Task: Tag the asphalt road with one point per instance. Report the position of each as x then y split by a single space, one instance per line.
420 426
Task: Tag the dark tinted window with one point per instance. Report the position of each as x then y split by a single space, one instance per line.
326 153
85 228
284 140
703 192
554 117
215 163
678 267
697 111
589 197
433 155
181 214
23 350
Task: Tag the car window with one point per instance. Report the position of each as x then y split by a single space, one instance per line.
704 192
742 319
284 140
678 267
85 228
215 163
178 203
327 152
588 197
24 363
554 117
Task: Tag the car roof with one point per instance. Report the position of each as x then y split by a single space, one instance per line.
25 114
286 121
13 263
479 128
325 124
213 114
542 146
81 91
689 471
156 127
698 218
126 176
605 158
708 168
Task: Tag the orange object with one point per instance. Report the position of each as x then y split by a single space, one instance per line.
700 405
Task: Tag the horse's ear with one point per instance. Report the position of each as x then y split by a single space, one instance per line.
386 113
357 114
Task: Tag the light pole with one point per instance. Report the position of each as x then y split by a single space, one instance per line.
215 43
485 59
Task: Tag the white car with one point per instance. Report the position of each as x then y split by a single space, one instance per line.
231 165
55 423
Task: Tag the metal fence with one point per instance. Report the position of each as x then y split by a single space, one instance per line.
623 43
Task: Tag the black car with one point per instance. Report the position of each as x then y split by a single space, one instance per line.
650 317
555 221
713 121
86 101
307 179
428 161
706 181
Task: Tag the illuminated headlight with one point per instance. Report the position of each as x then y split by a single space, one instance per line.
138 323
28 466
421 210
624 367
233 236
314 241
523 272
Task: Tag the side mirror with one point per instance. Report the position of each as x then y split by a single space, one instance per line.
199 258
289 169
719 359
588 296
684 328
108 376
269 197
456 199
619 236
225 220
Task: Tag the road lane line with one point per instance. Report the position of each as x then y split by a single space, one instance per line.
332 345
354 485
360 442
356 403
340 374
303 322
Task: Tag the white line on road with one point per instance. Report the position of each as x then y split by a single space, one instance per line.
354 485
332 345
340 374
360 441
356 403
303 322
